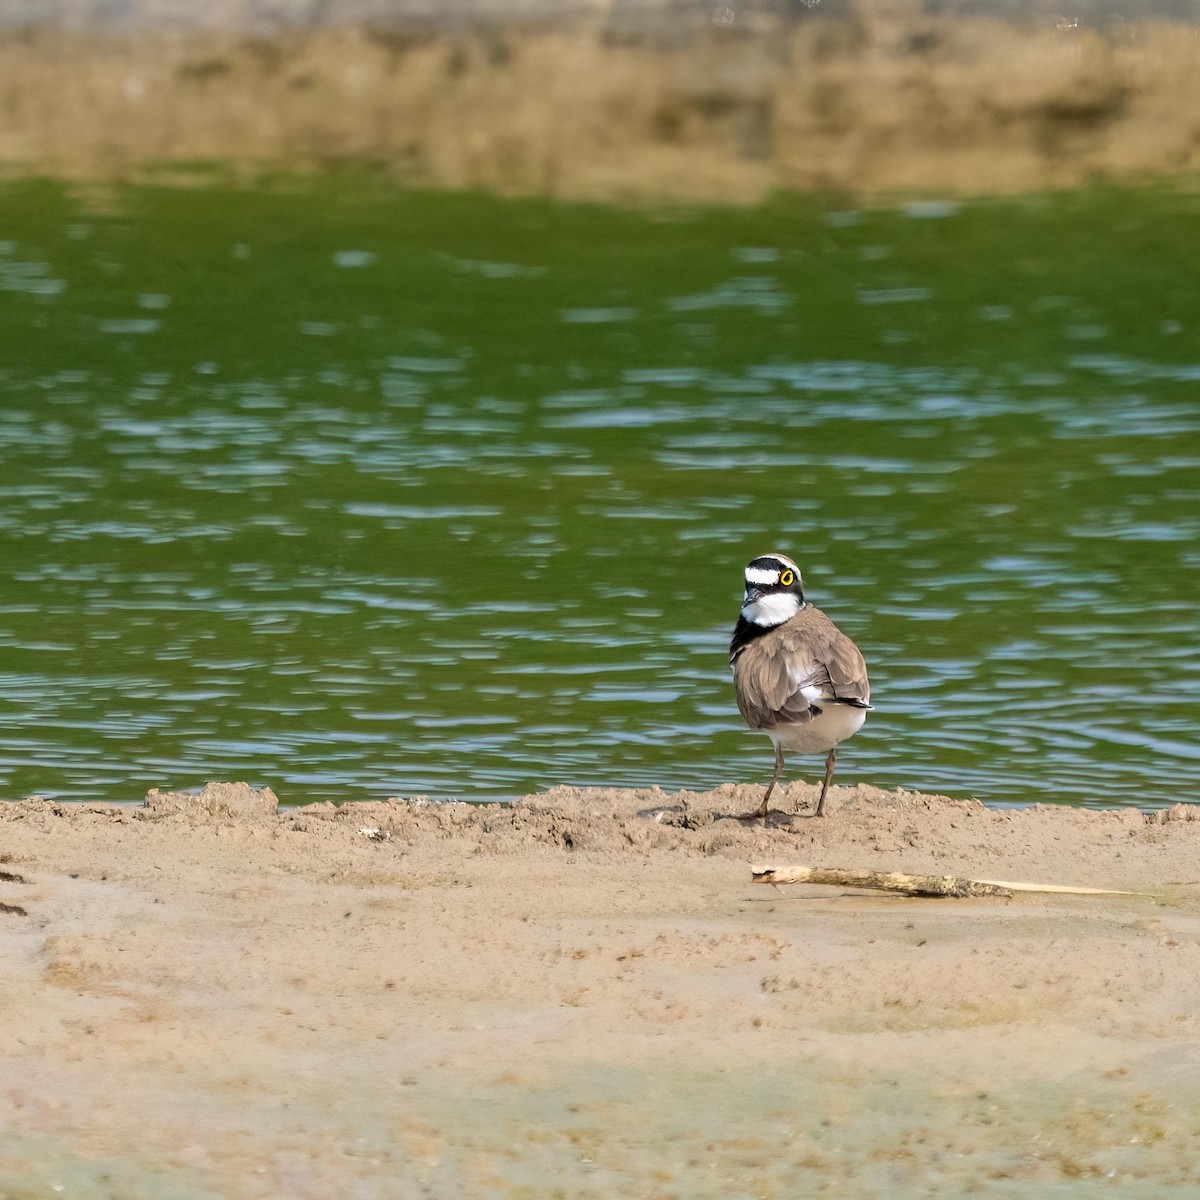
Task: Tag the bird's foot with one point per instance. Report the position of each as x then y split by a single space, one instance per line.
759 814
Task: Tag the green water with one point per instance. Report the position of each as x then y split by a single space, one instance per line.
359 492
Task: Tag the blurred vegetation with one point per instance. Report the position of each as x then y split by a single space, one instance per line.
724 103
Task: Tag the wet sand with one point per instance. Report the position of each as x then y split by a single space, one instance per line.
584 995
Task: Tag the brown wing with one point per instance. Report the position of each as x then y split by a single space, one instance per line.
780 676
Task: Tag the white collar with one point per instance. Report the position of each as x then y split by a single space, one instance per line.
772 609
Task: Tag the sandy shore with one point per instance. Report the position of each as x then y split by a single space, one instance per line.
584 995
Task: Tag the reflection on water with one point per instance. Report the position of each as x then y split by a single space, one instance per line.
359 493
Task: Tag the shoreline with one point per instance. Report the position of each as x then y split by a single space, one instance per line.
1151 811
585 993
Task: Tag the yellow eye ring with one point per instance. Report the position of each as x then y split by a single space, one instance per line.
787 579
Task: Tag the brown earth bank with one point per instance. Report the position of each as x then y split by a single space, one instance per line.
883 101
584 995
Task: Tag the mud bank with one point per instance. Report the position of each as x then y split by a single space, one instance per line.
883 101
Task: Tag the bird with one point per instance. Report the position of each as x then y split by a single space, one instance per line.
797 676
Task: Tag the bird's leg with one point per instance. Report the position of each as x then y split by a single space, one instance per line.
829 759
762 812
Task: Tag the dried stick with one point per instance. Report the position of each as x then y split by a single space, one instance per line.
916 885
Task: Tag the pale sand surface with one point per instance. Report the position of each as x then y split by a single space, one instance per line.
580 997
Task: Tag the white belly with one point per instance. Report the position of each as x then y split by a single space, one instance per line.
836 723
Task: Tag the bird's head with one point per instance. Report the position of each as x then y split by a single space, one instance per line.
774 590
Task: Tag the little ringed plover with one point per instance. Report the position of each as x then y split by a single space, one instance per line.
798 677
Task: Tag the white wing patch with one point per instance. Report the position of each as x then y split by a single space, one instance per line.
813 692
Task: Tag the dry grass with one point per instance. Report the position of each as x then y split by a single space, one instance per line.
871 105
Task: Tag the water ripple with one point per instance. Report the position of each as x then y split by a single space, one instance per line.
481 530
